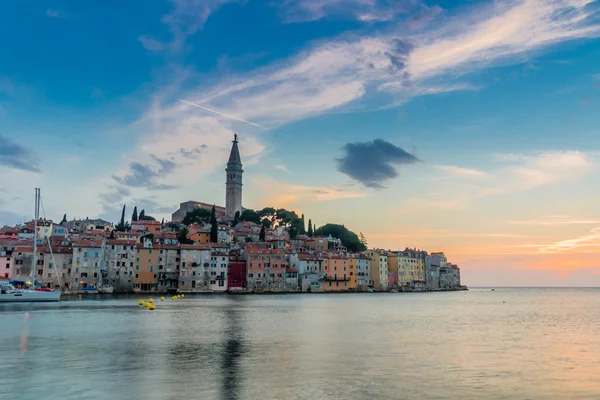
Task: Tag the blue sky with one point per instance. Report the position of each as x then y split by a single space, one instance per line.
468 127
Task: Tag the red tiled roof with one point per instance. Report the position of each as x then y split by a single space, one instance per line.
121 242
195 246
88 243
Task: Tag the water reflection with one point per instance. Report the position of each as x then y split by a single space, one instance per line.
233 350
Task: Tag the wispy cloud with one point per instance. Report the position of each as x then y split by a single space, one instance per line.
461 172
363 10
282 168
57 14
558 220
592 239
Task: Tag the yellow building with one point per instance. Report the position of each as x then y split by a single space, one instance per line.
379 268
146 267
336 273
393 263
353 283
411 268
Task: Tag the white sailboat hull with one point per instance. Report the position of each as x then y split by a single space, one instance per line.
106 290
25 296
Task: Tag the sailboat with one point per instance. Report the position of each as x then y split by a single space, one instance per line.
8 293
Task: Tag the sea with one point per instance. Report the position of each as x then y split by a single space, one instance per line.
507 343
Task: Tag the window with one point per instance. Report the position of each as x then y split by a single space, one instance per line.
137 276
213 282
137 267
250 275
221 283
137 259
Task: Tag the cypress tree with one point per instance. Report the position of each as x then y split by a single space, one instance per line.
214 228
134 216
303 226
310 229
236 218
142 215
123 216
262 234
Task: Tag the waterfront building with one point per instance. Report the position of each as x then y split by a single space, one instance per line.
194 273
87 260
353 282
336 273
363 272
191 205
26 232
266 268
236 276
432 272
119 256
449 276
6 263
23 260
393 269
219 263
169 261
57 272
145 278
309 271
379 268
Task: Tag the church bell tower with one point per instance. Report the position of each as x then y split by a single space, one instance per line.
233 185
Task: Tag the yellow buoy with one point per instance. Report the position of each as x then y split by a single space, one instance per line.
141 302
146 304
162 299
151 307
150 301
173 298
183 295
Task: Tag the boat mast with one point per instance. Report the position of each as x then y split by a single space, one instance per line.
36 218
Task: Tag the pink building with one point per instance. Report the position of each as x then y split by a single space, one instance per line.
6 264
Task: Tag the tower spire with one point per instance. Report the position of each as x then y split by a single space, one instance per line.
233 185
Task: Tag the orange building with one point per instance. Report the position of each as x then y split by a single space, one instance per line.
337 273
145 278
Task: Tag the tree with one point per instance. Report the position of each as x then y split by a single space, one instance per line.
262 234
182 236
214 227
142 215
363 240
197 216
162 223
64 220
112 234
310 229
134 216
302 227
250 216
146 217
236 219
121 226
349 239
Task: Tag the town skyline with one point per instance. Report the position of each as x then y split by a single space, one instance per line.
465 128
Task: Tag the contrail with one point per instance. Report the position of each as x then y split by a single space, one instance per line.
220 113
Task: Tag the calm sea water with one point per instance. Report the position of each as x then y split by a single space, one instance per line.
506 344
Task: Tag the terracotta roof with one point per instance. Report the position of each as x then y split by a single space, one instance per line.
88 243
24 249
121 242
130 233
195 246
308 257
168 246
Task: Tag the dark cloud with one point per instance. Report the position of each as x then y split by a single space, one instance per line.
14 155
372 163
399 52
151 206
192 153
145 175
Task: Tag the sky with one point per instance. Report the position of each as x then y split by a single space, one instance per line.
466 127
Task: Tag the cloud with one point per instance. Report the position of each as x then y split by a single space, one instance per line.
460 172
500 31
372 163
283 168
185 19
151 44
363 10
146 175
556 220
591 239
56 14
13 155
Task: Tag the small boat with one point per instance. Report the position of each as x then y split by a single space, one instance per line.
9 294
106 290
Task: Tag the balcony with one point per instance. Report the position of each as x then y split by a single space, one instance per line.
335 278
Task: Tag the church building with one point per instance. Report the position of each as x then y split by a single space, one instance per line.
233 189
